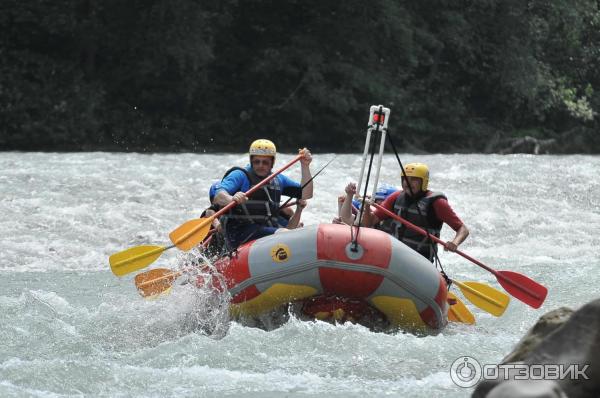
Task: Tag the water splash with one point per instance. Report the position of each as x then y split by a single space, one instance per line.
208 301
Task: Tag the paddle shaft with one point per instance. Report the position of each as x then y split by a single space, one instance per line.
233 203
497 274
160 278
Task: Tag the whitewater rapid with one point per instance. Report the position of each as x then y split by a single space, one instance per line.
69 327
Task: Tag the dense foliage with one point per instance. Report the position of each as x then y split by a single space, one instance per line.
191 75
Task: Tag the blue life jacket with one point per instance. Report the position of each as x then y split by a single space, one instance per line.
262 206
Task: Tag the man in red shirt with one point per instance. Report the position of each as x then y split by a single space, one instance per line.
420 206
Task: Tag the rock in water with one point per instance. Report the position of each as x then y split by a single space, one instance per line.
527 389
574 342
548 323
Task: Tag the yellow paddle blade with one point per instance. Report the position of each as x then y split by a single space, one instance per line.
155 282
133 259
459 311
484 296
188 235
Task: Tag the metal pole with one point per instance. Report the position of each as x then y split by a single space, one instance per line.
385 112
366 150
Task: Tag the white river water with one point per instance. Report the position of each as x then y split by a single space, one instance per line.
69 327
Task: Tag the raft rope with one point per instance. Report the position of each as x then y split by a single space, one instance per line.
437 262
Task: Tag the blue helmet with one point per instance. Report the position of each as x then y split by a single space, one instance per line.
384 190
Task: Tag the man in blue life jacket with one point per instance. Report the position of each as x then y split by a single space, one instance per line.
287 218
257 216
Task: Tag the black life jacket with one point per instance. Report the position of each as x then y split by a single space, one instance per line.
406 207
386 226
262 206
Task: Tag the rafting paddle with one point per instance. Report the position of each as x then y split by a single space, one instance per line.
135 258
139 257
155 281
517 285
193 232
484 296
184 237
458 312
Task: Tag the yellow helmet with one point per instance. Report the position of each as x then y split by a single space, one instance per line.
419 170
263 147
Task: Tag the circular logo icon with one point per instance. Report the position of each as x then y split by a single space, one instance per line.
465 372
280 253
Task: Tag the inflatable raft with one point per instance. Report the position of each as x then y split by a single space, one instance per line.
325 274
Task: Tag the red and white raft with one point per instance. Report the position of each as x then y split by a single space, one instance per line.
320 268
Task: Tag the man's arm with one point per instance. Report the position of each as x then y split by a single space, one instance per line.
345 211
232 183
446 214
307 191
459 238
223 198
295 219
369 219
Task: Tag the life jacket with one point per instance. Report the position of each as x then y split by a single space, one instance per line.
406 207
262 206
385 226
